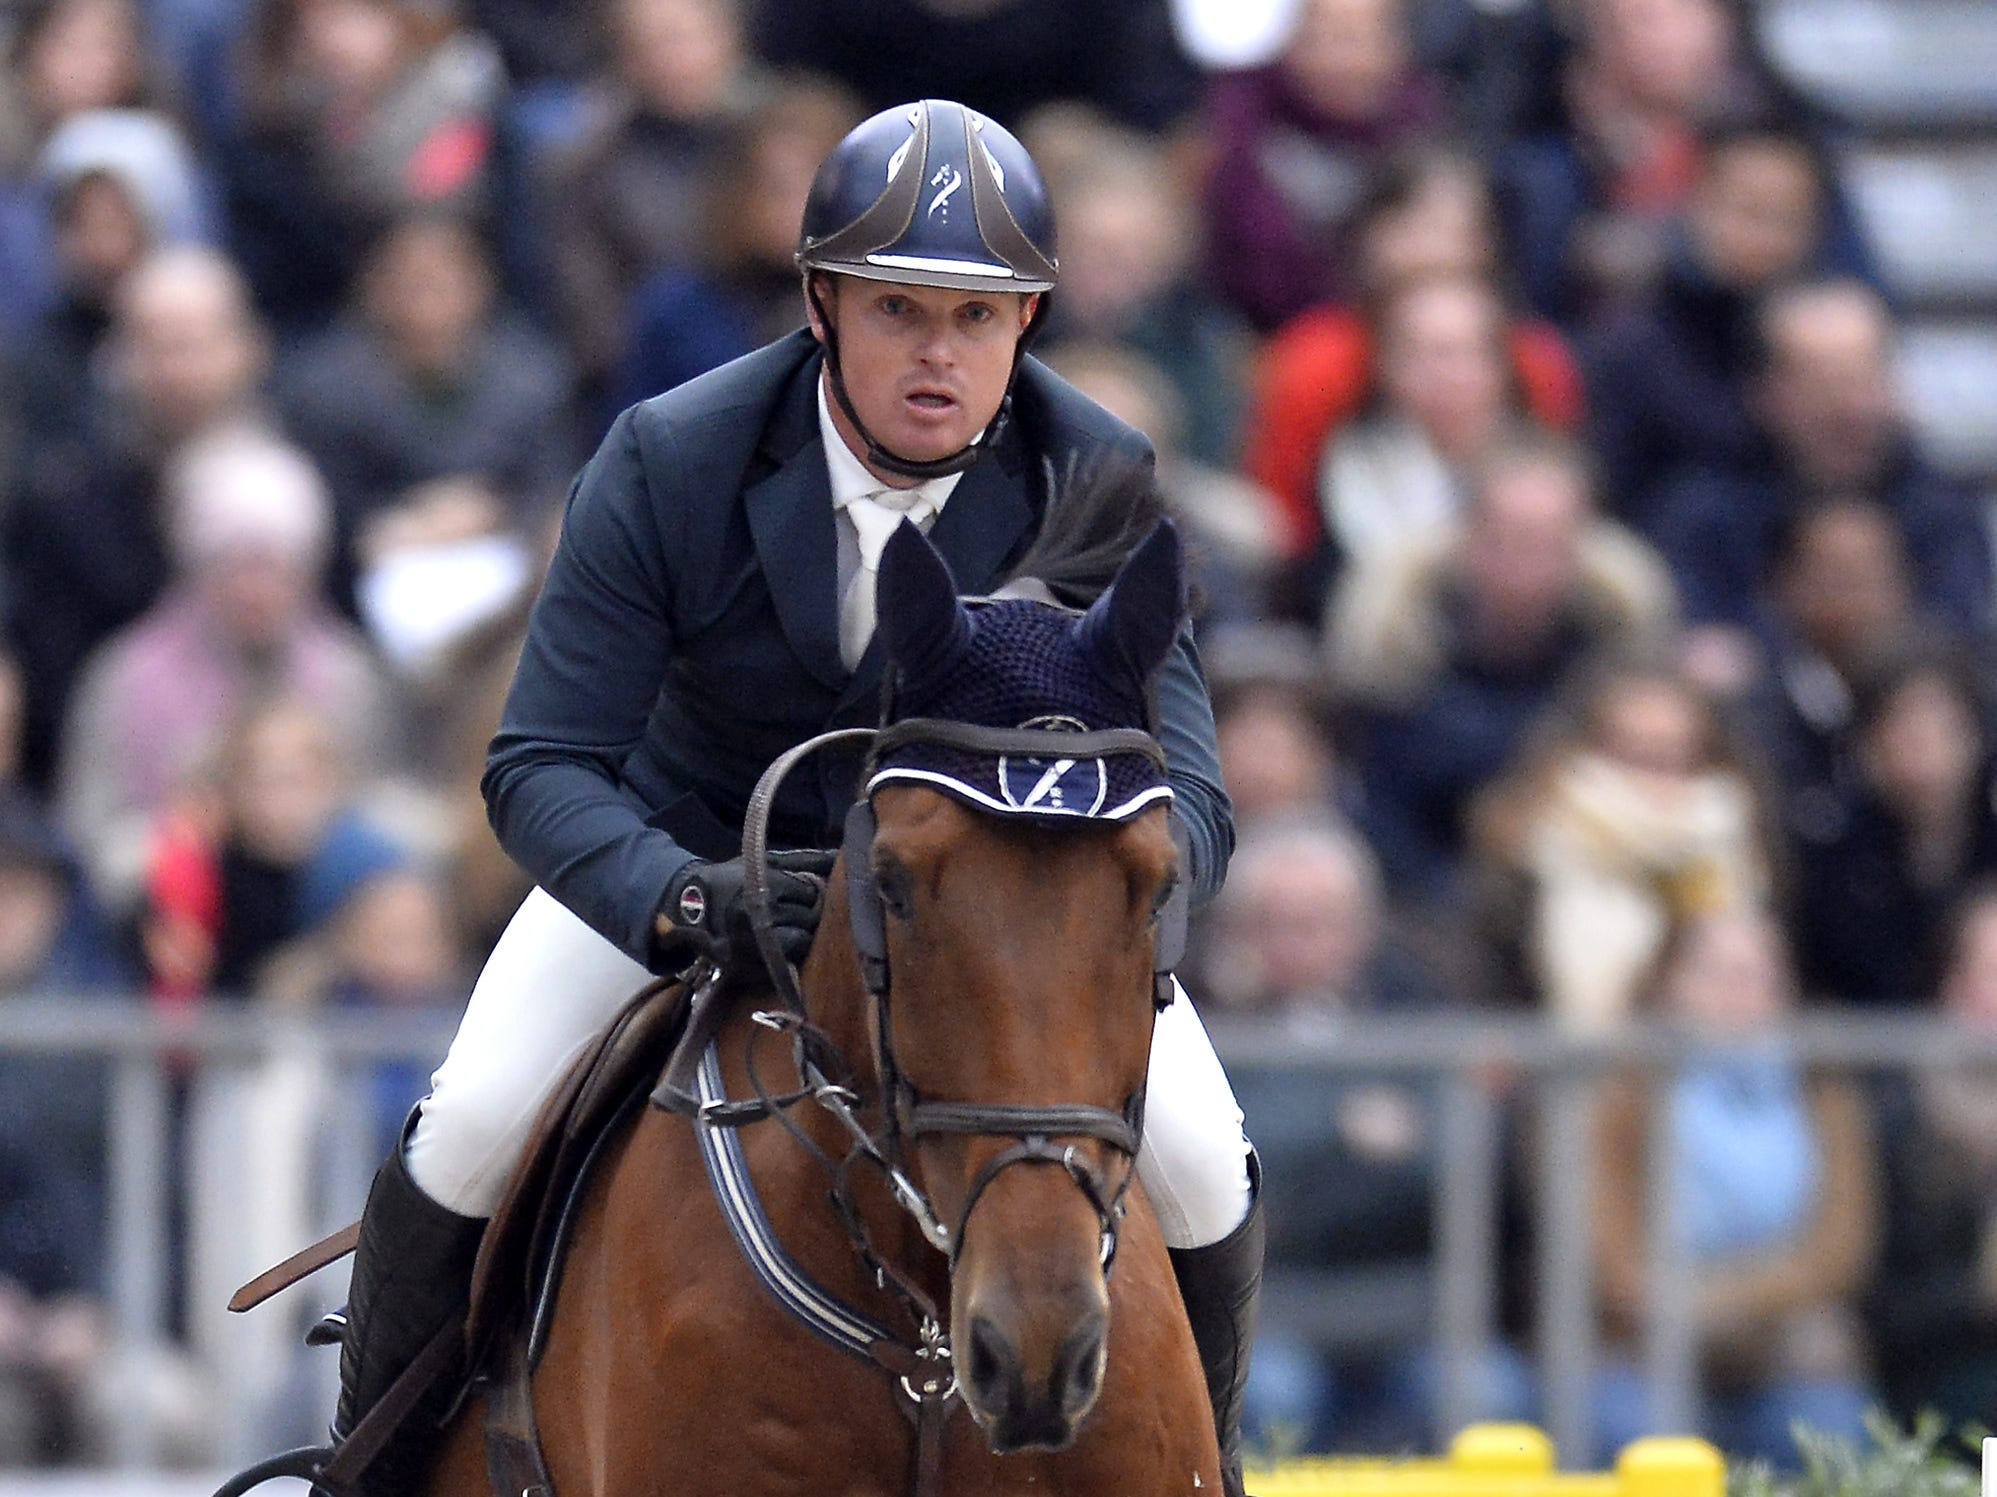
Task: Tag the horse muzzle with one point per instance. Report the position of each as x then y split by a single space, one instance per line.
1031 1391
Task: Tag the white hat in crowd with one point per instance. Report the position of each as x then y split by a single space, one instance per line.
242 491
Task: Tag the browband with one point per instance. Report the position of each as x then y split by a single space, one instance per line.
1039 743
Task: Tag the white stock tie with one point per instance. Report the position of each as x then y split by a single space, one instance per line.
874 518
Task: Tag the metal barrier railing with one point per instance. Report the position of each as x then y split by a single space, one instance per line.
1560 1070
218 1044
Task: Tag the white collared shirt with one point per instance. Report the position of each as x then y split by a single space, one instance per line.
851 484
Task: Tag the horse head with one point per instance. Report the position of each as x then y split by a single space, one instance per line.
1016 894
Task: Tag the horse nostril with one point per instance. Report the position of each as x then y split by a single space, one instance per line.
1078 1372
991 1355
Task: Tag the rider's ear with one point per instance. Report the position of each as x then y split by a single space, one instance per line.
915 603
1129 629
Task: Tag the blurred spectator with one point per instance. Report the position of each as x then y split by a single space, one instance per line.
65 58
346 115
1227 519
1633 814
243 619
1502 63
1426 213
1842 590
276 849
56 1353
1004 57
1934 1299
1301 933
1442 401
543 42
389 946
439 573
1587 202
626 201
84 540
427 378
1875 887
52 935
1293 144
741 288
1451 647
121 186
1348 1164
1273 721
1667 375
1129 236
1830 424
1776 1207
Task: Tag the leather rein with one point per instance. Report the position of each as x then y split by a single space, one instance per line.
1043 1135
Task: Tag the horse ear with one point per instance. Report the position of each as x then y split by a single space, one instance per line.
1129 629
915 603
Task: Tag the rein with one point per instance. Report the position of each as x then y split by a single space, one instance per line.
924 1368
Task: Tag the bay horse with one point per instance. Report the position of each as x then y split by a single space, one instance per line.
956 1171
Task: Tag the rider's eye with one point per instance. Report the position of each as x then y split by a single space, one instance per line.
894 884
1163 897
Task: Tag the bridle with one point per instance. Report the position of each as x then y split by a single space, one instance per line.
910 1116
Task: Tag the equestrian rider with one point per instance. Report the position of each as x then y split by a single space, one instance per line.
711 605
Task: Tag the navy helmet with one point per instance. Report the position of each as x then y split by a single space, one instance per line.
931 194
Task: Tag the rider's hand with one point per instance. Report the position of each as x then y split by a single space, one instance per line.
705 911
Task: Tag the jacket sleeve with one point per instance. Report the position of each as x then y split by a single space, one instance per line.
598 644
1192 758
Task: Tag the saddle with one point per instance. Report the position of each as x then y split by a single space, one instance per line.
518 1269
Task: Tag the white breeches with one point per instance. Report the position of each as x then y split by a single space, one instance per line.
552 983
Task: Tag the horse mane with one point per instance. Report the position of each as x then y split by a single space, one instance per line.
1098 509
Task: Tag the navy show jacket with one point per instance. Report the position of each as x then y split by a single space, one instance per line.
687 633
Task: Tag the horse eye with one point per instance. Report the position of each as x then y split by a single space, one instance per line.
892 882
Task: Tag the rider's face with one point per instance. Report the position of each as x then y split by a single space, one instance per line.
925 367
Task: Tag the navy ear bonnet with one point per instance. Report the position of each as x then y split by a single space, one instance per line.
1013 663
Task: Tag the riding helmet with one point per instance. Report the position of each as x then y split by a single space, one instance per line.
931 194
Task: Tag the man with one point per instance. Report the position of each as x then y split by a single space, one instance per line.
1841 589
184 356
1451 646
1664 374
725 537
1829 424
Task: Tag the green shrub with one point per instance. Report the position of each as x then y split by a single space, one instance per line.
1925 1461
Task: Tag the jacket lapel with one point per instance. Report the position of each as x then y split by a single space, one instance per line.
790 518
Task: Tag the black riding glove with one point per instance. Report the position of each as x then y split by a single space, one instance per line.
705 912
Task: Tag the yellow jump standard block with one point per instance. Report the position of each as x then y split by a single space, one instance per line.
1505 1460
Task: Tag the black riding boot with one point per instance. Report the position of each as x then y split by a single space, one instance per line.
1219 1285
411 1279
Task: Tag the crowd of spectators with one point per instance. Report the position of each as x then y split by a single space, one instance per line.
1589 635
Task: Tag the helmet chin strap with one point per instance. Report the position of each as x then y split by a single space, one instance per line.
880 457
